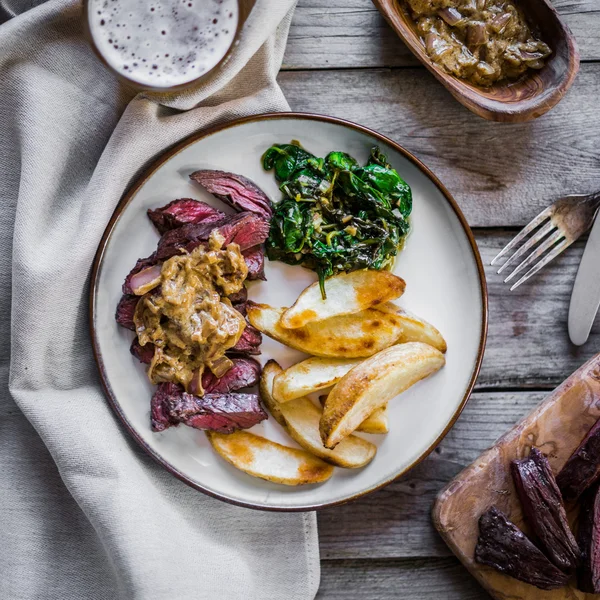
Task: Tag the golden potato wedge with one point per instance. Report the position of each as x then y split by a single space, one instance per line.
300 418
310 375
347 293
348 336
372 384
265 386
377 422
268 460
414 329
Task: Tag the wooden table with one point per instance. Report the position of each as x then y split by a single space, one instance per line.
343 60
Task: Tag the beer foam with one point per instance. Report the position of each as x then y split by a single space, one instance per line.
163 43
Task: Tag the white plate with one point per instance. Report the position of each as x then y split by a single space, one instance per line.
445 285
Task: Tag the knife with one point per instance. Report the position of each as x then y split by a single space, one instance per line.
585 299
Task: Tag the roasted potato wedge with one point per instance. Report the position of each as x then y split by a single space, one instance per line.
268 375
348 336
268 460
372 384
377 422
415 329
347 293
300 418
310 375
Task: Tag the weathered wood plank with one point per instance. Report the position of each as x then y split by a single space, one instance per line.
389 580
528 344
395 522
501 174
352 33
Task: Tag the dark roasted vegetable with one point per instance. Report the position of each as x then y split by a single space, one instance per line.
543 506
588 537
336 215
503 546
582 468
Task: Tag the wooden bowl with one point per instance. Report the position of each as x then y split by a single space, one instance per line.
527 98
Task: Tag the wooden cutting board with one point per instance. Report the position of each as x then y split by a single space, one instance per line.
556 427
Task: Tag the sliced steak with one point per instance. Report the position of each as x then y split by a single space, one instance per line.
245 229
249 342
244 373
144 354
159 405
239 192
255 260
239 297
218 412
126 310
182 211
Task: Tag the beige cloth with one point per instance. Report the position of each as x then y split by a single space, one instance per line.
84 513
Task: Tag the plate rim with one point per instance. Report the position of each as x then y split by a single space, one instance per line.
129 194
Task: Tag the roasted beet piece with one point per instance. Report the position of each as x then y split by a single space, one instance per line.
245 229
543 506
244 373
218 412
250 341
588 537
126 310
144 354
182 211
235 190
255 259
583 467
503 546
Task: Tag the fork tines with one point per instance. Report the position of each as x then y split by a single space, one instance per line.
546 243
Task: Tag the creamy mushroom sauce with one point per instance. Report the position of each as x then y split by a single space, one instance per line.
482 41
188 317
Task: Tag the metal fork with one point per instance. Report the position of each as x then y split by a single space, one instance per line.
552 232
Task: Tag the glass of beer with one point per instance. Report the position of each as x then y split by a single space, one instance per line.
162 45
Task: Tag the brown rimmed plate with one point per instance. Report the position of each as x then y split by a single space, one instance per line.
445 285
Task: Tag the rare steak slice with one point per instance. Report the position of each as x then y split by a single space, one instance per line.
144 354
544 508
249 342
245 372
182 211
236 190
588 537
126 310
217 412
255 259
583 467
503 546
240 297
245 229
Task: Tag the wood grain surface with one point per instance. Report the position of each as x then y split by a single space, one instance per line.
343 59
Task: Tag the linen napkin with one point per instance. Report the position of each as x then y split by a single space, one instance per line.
84 514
